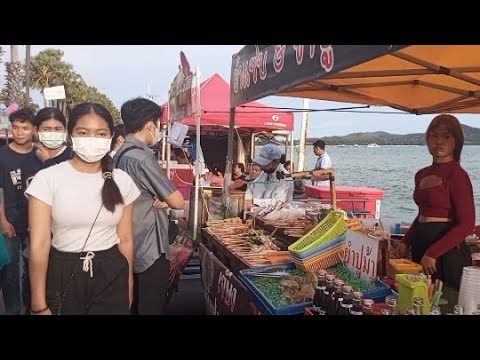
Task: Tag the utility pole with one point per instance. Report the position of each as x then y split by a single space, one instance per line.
27 72
303 135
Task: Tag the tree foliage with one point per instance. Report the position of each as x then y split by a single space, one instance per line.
48 69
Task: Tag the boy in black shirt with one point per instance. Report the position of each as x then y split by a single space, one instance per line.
18 165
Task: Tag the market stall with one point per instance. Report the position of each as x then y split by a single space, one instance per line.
300 239
415 79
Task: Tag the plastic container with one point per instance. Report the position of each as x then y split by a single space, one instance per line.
362 201
263 304
322 261
408 290
326 231
310 254
402 266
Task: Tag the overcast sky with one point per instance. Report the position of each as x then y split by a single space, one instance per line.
124 71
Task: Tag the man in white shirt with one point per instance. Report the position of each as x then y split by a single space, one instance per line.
323 162
266 189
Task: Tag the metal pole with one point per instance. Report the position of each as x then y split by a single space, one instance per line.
27 72
303 136
197 157
292 148
228 171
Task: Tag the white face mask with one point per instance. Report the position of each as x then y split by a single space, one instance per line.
157 136
52 139
91 149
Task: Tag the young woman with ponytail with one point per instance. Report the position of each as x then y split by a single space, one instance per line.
86 268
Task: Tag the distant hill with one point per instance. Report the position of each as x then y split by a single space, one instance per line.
472 137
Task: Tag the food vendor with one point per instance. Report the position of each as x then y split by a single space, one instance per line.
266 189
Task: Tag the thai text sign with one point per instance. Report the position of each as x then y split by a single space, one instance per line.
224 293
180 97
361 255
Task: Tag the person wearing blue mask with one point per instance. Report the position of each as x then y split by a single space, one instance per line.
51 125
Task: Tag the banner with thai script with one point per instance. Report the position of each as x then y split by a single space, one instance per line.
224 293
262 70
180 97
361 255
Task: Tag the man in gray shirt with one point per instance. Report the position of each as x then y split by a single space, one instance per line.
150 220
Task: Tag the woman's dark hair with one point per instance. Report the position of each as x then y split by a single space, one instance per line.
119 130
287 164
241 167
50 113
111 195
214 169
454 128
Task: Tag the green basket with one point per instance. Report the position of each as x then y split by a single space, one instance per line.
330 228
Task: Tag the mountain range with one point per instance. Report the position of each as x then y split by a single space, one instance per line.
472 137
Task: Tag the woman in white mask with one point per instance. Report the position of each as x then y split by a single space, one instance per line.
50 124
86 268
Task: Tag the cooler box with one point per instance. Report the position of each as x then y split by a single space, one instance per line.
183 181
361 201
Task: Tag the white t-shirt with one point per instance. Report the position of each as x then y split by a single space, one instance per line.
323 162
75 198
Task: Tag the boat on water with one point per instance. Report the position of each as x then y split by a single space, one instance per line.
356 145
373 145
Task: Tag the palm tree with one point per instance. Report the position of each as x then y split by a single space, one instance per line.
14 78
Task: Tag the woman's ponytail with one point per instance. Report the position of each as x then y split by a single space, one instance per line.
111 195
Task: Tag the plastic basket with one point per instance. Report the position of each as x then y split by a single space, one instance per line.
327 230
262 303
310 254
323 261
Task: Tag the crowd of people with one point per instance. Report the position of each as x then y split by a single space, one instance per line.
75 203
85 204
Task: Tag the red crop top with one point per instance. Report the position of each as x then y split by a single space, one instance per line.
453 198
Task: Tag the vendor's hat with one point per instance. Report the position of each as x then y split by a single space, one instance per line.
267 154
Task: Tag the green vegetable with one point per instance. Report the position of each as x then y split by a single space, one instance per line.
344 273
272 289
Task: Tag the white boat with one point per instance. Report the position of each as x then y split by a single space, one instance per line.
373 145
356 145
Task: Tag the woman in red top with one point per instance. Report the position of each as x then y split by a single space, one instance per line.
444 195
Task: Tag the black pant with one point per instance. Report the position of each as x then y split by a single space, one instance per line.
150 289
449 265
106 293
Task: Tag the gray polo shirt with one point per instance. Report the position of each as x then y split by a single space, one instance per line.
150 225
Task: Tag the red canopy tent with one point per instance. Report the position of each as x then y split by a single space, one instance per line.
215 105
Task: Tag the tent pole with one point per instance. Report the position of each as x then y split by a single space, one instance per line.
291 148
197 157
228 170
303 136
